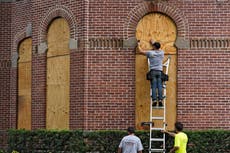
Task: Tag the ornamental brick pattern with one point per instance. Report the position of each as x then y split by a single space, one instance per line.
102 90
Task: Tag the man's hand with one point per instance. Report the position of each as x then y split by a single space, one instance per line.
141 51
152 41
138 42
174 149
171 151
119 150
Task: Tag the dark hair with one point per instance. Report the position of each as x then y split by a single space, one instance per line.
179 126
131 130
157 45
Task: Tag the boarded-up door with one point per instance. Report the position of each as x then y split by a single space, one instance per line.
162 29
58 75
24 85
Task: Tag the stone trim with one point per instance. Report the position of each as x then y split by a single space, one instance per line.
73 44
130 43
182 43
23 34
7 1
210 43
14 59
221 1
42 48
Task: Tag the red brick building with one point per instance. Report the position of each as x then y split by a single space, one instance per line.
101 52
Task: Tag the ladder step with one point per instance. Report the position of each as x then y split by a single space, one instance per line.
157 150
157 118
158 107
157 129
157 139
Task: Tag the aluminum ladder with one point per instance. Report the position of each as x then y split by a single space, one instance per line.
153 118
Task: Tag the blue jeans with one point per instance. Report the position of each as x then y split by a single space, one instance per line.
156 83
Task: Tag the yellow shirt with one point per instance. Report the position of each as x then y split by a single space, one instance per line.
181 140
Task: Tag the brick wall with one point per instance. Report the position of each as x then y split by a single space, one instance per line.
43 14
103 71
5 64
203 72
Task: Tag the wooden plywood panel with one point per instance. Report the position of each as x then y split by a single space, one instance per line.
160 28
58 74
142 91
58 93
58 38
24 85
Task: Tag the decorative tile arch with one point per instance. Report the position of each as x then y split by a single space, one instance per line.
137 13
24 33
52 13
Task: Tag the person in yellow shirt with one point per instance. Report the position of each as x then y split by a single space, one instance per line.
181 139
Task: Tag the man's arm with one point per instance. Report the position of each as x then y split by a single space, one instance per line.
142 51
170 133
174 149
119 150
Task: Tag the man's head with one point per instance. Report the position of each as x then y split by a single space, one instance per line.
156 45
179 126
131 130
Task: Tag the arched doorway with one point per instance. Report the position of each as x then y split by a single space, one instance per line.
58 75
161 28
24 84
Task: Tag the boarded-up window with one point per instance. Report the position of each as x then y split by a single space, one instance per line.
162 29
58 75
24 85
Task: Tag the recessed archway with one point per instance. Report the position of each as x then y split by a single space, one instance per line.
58 75
24 84
161 28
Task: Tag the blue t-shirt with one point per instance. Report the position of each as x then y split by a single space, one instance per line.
155 59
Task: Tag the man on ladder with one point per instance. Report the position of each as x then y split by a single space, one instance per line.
155 61
155 57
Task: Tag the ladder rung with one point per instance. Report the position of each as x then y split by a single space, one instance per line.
158 107
157 128
157 139
157 118
157 150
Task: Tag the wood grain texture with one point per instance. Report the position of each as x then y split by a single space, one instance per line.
24 85
58 75
162 29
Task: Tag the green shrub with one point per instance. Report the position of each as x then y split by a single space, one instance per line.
210 141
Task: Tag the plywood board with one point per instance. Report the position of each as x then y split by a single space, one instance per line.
58 75
162 29
58 93
58 38
24 85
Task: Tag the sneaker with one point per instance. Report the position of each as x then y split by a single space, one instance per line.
160 104
154 103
